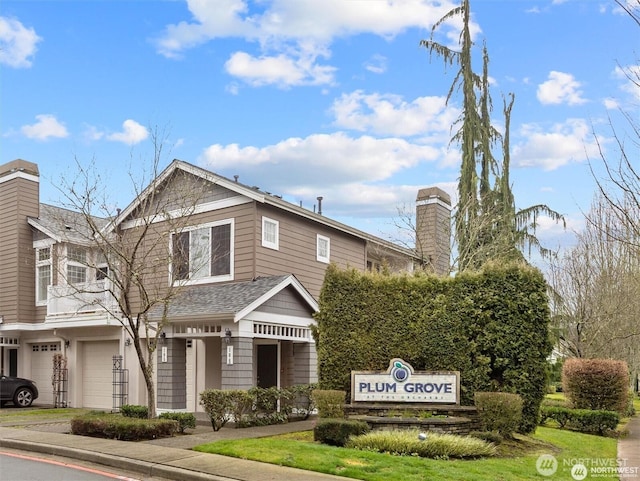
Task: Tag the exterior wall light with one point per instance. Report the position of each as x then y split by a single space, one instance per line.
227 335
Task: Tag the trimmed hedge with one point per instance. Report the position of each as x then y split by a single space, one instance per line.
114 426
491 325
185 420
336 432
330 403
134 411
596 384
257 406
499 411
583 420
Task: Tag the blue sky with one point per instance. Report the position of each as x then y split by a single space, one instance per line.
308 98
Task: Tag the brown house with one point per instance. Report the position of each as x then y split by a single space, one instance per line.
249 267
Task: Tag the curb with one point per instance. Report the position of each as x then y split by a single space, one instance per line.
145 468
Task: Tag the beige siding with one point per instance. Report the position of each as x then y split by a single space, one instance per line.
19 199
297 249
159 241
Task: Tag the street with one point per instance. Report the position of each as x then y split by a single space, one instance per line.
19 466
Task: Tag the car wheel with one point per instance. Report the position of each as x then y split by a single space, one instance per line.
23 397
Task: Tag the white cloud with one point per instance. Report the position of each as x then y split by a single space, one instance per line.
321 158
561 88
388 114
17 43
610 103
293 34
351 173
280 70
376 64
91 133
132 133
46 127
569 142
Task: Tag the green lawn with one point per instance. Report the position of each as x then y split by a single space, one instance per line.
518 460
14 415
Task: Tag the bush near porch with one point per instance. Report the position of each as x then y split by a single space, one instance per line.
490 325
257 406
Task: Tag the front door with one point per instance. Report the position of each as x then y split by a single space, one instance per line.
267 365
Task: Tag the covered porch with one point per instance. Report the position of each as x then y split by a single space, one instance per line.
236 336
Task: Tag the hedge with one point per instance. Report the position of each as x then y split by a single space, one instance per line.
336 432
499 411
257 406
583 420
114 426
490 325
597 384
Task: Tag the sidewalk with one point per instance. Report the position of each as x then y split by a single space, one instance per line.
169 458
629 448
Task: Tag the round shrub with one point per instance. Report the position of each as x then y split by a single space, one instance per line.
336 432
499 411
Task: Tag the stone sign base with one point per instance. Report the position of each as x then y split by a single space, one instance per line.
440 418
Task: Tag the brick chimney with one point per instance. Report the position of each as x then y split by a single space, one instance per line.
433 229
19 199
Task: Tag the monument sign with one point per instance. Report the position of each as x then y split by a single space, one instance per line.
400 383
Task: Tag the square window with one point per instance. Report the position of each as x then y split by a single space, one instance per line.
203 254
323 248
270 233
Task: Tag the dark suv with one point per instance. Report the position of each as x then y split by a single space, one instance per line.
21 392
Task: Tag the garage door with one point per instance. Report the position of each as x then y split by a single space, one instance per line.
42 369
97 365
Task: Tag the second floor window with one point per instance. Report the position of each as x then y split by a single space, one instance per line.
43 273
203 254
76 265
270 233
323 248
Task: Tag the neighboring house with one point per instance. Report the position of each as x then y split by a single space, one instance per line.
242 320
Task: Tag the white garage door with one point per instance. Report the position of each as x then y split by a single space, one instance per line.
42 369
97 365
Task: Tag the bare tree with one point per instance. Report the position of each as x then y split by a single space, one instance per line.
597 283
134 253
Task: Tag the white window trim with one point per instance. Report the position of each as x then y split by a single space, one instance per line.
209 279
39 263
322 258
74 263
266 243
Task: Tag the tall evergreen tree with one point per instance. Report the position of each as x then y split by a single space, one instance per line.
487 224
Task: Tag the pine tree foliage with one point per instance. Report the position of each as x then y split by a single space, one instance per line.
487 224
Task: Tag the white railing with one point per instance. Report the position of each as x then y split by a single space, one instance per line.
80 299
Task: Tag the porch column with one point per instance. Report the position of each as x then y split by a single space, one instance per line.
238 375
172 374
305 362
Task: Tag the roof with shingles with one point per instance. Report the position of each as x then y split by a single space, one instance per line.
65 225
229 299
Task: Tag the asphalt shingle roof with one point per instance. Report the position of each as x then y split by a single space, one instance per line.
220 299
68 225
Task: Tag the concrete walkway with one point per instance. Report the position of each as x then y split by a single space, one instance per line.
170 458
629 450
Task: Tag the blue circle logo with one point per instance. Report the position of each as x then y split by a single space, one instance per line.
400 372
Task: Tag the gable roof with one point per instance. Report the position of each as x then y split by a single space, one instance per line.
262 197
234 300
